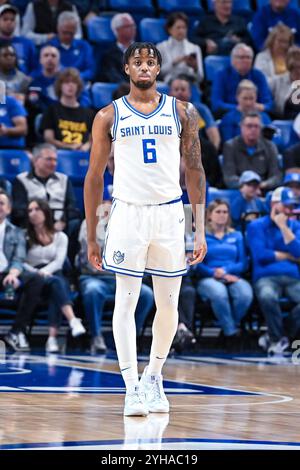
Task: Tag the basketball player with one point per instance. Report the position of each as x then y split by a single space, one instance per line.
145 233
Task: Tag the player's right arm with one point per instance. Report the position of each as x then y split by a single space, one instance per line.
94 181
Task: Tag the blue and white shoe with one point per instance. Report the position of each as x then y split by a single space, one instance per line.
135 404
152 387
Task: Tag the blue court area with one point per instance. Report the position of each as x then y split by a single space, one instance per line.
217 402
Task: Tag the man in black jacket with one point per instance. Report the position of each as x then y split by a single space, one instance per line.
219 31
111 67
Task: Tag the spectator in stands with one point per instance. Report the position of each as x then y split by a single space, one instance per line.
210 137
274 242
111 68
291 158
40 20
13 124
16 82
268 16
12 256
17 31
44 77
44 182
292 181
272 60
26 52
73 52
251 151
180 56
220 274
226 82
97 287
247 205
285 86
184 337
220 31
66 124
88 9
246 97
46 254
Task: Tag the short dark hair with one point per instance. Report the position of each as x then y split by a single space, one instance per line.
8 197
251 114
180 76
173 17
138 46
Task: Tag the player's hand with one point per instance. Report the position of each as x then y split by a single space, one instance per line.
94 256
200 250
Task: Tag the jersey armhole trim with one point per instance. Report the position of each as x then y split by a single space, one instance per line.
176 117
116 122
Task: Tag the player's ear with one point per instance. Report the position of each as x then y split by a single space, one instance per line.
158 70
126 68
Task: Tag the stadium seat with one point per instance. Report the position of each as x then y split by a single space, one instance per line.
141 6
214 64
21 5
99 30
262 3
152 30
102 93
227 194
73 163
13 162
162 88
240 7
283 136
190 7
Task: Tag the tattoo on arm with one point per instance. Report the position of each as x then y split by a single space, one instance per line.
191 148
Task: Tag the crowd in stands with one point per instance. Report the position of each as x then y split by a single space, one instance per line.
241 70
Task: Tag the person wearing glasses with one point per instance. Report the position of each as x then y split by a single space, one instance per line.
251 151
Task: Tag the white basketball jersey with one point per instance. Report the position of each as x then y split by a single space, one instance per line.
146 153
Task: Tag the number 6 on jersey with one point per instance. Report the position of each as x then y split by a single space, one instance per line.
149 151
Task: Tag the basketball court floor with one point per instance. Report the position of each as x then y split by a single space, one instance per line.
217 402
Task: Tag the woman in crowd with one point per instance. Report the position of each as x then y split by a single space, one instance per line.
220 274
47 251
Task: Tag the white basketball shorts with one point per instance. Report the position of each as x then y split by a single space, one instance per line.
145 239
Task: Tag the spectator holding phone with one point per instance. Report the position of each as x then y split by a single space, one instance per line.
180 56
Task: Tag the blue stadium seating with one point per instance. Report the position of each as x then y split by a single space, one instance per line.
240 7
73 163
163 88
13 162
102 93
152 29
21 5
262 3
190 7
99 30
213 64
227 194
140 6
283 137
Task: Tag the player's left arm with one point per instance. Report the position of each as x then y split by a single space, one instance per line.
194 174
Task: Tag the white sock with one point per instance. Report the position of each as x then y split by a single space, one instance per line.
166 293
124 330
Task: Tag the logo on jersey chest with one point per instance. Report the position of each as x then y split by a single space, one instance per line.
118 257
145 130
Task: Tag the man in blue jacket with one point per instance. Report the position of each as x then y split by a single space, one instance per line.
274 242
225 84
